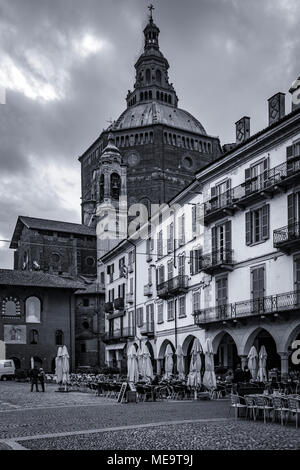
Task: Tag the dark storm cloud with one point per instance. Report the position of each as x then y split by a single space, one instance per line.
226 58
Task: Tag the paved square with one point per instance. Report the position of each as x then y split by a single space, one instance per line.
77 420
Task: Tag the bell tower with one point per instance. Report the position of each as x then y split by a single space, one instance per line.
110 192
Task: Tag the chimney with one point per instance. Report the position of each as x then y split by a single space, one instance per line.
276 107
242 130
295 92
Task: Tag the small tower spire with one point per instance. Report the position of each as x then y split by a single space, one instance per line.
151 8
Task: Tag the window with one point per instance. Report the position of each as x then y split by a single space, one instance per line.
170 310
221 290
59 338
220 194
181 265
150 276
221 242
160 312
196 301
170 269
256 176
182 307
160 275
258 282
86 302
257 225
140 316
170 235
160 245
150 314
11 307
85 325
181 231
90 261
121 291
111 295
294 210
33 310
33 337
195 261
131 257
110 272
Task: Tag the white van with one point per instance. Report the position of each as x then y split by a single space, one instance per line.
7 369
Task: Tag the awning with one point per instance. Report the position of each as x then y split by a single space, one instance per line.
113 347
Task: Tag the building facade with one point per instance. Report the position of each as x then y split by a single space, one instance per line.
229 270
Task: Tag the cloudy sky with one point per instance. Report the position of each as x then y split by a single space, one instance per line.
66 66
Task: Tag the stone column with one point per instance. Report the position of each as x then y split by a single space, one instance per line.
284 364
244 360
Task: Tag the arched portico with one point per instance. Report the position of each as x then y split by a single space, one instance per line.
161 355
264 336
225 350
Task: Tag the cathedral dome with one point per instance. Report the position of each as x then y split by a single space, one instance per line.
150 113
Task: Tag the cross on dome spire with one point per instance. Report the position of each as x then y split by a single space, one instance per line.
151 8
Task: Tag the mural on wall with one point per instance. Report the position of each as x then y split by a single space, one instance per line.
15 334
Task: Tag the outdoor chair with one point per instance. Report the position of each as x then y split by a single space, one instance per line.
280 407
262 404
237 404
251 407
294 407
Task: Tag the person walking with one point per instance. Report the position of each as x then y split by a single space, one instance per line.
34 375
42 378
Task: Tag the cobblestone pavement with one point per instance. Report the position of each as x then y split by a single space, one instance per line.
90 422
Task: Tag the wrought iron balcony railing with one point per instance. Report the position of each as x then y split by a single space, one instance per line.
172 286
263 184
108 307
129 298
216 261
287 237
273 304
120 334
119 303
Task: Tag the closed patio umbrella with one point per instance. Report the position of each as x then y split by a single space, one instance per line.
58 365
32 363
147 362
262 365
180 362
141 362
168 362
252 362
65 366
209 378
132 365
194 377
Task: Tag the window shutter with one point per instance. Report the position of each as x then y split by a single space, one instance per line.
157 277
194 215
248 218
289 152
265 221
291 209
214 239
213 192
228 237
247 174
192 262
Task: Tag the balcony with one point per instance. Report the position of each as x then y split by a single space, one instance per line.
256 189
116 336
177 285
148 290
129 298
119 303
108 307
287 239
217 262
148 329
273 305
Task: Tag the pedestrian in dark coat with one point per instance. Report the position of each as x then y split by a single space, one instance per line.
34 376
42 378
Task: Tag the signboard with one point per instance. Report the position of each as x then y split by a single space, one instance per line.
122 392
15 334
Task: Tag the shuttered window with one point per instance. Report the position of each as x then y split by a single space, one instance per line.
196 301
181 231
140 316
170 310
170 269
195 261
258 282
181 265
160 245
160 273
149 314
170 241
221 291
257 225
181 302
160 312
194 220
